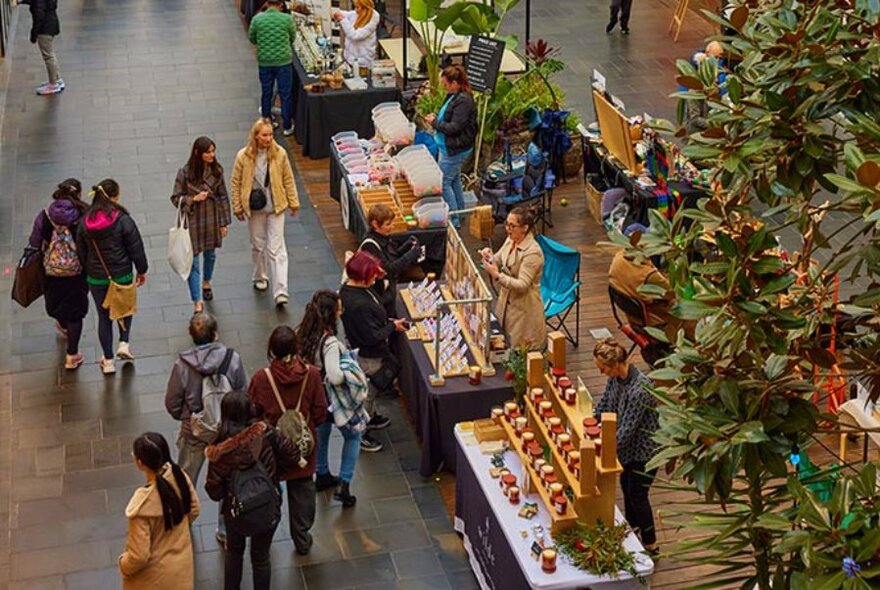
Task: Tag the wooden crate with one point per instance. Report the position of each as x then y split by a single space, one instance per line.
594 202
373 196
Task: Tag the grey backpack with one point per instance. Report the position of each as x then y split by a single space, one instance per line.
206 423
292 423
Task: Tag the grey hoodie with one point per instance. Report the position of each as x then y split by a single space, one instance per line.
183 396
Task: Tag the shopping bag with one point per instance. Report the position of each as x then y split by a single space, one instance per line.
29 276
121 300
180 249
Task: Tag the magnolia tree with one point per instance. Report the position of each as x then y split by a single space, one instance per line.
793 145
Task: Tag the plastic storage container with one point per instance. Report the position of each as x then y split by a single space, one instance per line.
431 212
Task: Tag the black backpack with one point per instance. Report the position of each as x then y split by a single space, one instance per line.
254 501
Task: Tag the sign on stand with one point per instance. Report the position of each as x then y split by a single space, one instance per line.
483 62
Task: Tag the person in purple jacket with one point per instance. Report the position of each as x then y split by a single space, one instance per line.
66 297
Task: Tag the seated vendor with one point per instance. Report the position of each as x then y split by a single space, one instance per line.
359 26
536 161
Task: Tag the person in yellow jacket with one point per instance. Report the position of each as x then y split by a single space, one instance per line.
262 190
516 271
158 549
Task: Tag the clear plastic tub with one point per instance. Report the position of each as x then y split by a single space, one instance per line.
431 212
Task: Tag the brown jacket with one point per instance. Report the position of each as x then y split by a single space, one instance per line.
205 217
288 379
154 557
241 451
284 195
519 307
627 274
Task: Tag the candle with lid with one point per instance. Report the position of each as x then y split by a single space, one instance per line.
545 471
555 489
546 407
535 393
570 396
560 503
513 494
593 432
563 383
566 449
548 560
563 439
497 413
527 439
510 409
501 473
574 460
555 426
539 463
507 481
590 421
520 424
536 453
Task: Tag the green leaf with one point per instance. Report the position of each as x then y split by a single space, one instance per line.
692 310
752 307
768 264
750 432
734 89
653 290
701 152
710 268
666 374
726 244
847 184
869 298
775 365
780 283
852 155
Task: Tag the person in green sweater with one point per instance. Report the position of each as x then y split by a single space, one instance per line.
272 32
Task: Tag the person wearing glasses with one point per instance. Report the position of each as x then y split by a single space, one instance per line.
516 271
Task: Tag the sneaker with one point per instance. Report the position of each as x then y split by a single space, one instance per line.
73 361
107 366
625 30
289 131
49 89
281 300
370 444
378 422
325 481
610 27
60 83
123 352
261 284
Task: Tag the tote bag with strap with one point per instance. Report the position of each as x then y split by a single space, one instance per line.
29 277
180 248
121 300
292 423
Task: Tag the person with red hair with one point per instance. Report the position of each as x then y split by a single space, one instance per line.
368 327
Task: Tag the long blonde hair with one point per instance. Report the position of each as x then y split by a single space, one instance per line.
364 10
251 149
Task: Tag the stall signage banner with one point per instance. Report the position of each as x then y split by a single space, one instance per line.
483 62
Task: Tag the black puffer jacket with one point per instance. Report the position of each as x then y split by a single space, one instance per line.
396 259
459 124
366 322
44 14
118 239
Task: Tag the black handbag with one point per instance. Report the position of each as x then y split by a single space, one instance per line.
258 200
29 277
384 378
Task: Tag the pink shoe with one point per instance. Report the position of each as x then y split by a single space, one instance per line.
49 89
73 361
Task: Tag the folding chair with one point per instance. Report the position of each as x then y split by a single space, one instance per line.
560 286
651 349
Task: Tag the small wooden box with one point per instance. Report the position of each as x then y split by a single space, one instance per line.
594 202
487 429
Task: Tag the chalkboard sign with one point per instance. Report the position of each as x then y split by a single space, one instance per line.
483 62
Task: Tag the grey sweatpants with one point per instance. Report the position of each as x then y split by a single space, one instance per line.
47 50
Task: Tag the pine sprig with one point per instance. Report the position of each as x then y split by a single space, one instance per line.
598 550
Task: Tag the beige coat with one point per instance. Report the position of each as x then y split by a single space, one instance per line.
519 307
284 195
153 557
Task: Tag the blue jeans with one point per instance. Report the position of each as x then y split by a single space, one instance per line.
195 276
351 448
105 324
284 76
453 193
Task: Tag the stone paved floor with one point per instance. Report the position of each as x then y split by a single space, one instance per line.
144 78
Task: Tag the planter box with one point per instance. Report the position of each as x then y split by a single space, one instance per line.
594 202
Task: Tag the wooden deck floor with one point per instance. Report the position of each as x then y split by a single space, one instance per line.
575 228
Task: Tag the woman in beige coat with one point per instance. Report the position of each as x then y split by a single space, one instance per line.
158 550
264 165
516 272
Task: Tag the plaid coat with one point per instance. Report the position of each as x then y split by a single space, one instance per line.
205 217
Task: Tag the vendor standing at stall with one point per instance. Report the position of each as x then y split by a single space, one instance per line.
359 26
516 272
456 126
627 393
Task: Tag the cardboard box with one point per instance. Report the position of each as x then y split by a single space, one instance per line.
486 430
594 202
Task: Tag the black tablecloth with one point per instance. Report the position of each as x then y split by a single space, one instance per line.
321 116
433 239
436 410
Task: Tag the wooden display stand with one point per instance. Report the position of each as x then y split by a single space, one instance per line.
382 194
594 491
616 132
681 8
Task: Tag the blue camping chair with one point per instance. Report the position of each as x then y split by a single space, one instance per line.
560 286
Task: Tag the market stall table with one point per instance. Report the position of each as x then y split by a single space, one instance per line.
500 556
319 116
436 410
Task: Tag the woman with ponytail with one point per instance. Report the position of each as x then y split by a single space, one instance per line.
359 26
109 245
65 288
158 550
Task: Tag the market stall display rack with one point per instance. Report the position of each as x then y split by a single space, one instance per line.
382 194
616 132
404 194
306 42
594 487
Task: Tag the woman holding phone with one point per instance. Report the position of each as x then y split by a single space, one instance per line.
206 204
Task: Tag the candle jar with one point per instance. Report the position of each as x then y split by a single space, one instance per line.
598 443
562 439
590 421
563 383
593 432
535 393
546 408
555 426
527 439
509 409
507 481
501 474
497 414
560 503
548 560
513 494
539 463
520 424
570 396
556 374
574 460
565 450
550 479
546 470
555 489
536 453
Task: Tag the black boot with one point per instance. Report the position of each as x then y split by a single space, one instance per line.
344 495
325 481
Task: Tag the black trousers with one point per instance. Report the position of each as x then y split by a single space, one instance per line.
624 7
301 509
635 483
260 544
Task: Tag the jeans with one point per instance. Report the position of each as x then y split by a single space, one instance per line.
105 324
260 544
74 333
284 76
196 277
624 7
191 457
47 50
635 483
301 509
453 192
351 449
267 242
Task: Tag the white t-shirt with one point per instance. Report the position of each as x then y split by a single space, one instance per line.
260 177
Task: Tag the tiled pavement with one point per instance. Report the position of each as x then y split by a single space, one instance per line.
144 78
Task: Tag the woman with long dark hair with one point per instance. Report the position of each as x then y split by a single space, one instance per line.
298 384
206 203
65 289
320 345
109 245
242 442
158 550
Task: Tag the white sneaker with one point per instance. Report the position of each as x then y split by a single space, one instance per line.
108 367
73 361
288 132
124 352
281 300
49 89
